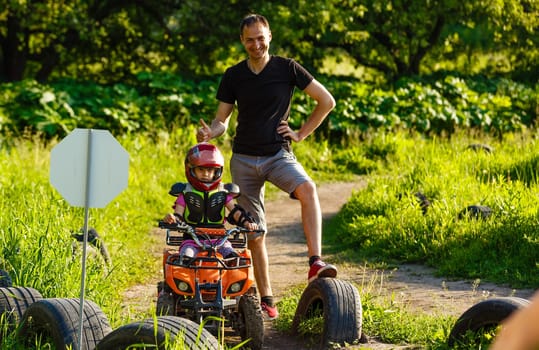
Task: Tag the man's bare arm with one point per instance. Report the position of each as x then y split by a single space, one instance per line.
325 103
218 125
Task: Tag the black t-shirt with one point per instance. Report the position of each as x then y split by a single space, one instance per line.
263 101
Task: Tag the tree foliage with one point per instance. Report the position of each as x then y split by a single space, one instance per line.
403 37
109 40
112 40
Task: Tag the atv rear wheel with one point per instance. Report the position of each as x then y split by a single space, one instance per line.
251 322
57 320
156 333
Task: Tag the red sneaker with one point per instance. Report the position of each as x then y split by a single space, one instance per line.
321 269
269 312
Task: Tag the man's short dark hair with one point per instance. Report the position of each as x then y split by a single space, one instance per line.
253 18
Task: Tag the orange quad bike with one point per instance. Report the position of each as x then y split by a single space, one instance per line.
210 285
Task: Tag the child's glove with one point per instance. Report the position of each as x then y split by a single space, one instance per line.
245 219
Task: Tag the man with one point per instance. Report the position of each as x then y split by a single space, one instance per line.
262 87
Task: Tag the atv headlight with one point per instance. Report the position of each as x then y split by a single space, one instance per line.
182 286
235 287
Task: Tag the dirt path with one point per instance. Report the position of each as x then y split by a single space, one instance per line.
412 285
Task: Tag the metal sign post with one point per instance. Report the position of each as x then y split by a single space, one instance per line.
88 168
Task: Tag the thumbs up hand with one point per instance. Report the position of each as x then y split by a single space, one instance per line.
203 133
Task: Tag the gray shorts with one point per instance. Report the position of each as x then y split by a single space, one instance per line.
251 172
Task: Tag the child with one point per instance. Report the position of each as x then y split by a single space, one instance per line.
202 202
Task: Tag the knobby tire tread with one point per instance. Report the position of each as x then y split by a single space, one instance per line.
252 322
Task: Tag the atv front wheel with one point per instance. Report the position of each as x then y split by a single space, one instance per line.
251 322
166 305
166 300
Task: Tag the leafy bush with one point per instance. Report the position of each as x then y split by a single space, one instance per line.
438 105
155 101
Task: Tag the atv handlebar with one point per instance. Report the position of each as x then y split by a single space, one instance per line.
196 232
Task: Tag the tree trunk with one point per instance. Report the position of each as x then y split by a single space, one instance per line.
14 50
48 59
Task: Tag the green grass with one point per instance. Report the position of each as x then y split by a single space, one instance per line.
385 222
382 225
385 319
36 223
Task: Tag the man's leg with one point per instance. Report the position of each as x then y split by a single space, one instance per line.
311 216
245 175
259 255
285 172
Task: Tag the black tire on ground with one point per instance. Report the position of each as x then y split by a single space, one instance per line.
251 322
95 246
5 279
156 332
339 304
13 303
56 320
484 316
480 147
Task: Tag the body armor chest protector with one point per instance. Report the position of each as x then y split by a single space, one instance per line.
204 208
